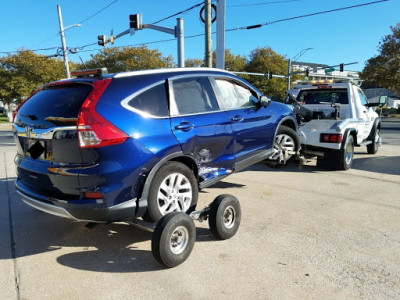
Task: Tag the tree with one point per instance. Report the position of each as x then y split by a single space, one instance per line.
194 63
384 69
128 59
24 72
264 60
232 62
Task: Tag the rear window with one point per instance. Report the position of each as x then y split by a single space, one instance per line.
323 96
52 105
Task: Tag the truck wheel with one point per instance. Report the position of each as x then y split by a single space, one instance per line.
224 216
286 140
174 188
347 154
376 141
339 159
173 239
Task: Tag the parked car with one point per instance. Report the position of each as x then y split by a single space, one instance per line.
115 147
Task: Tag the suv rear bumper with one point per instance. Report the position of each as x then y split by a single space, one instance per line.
95 212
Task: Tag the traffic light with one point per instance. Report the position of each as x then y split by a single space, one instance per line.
101 40
307 72
134 21
341 66
270 75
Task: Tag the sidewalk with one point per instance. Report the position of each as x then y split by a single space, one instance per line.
8 264
5 126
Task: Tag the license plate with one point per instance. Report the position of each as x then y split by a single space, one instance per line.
39 149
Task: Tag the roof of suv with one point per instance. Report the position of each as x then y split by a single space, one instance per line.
170 70
166 71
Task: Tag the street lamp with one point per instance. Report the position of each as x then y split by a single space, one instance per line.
64 47
297 56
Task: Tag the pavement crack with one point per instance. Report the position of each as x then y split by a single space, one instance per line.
12 237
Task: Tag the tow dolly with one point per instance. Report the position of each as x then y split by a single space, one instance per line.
174 234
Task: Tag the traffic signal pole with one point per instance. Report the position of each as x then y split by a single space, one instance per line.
136 24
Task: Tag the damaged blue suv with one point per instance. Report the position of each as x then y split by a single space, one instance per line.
112 147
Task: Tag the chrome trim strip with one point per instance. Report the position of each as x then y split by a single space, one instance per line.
45 134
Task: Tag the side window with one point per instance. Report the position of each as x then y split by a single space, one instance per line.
235 95
194 95
152 101
362 98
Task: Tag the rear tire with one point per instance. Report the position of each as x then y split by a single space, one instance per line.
174 188
376 141
339 159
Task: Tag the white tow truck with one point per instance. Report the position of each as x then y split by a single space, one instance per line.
333 118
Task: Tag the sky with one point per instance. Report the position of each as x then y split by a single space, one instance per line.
345 36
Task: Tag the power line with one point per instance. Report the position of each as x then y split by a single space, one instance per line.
257 25
178 13
96 13
227 30
262 3
305 16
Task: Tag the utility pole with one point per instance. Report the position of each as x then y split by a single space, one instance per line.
289 71
208 41
64 47
220 51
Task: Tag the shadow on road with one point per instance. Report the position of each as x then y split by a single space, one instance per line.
116 247
378 164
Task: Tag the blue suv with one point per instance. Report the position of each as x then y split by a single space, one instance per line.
113 147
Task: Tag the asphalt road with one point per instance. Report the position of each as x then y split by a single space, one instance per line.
305 234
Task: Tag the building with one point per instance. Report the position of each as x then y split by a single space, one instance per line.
321 71
373 96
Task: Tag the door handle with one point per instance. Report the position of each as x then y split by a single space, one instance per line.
184 126
237 118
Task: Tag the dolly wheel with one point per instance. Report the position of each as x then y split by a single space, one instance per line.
173 239
224 216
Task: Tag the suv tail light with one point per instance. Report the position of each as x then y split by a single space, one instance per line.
93 129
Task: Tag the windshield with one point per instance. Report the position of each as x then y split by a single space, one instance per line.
323 96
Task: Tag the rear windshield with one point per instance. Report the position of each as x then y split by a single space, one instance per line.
323 96
54 105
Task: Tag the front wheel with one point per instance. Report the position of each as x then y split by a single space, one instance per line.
173 239
286 141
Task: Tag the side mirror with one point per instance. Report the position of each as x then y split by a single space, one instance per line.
382 101
265 101
291 99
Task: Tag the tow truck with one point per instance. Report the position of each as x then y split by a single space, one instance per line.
333 118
